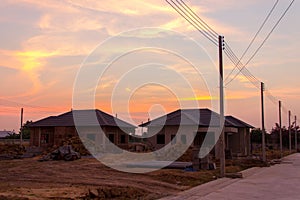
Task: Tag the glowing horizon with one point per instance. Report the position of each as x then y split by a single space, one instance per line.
44 44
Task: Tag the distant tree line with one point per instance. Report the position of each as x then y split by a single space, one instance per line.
285 134
274 136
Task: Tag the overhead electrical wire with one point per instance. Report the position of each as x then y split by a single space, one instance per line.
9 103
13 107
251 78
242 68
254 38
271 97
182 10
189 15
213 32
264 41
234 59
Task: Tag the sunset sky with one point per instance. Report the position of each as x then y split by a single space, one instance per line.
43 44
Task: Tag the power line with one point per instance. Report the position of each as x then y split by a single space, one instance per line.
214 33
15 111
252 79
255 36
210 36
264 41
231 55
193 21
9 103
182 9
190 16
242 67
271 97
244 71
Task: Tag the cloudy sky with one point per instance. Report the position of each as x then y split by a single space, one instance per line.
45 46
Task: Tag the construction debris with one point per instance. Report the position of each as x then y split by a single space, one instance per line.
275 161
62 153
234 175
140 147
77 145
109 192
11 151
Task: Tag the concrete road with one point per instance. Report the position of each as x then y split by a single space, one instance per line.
280 181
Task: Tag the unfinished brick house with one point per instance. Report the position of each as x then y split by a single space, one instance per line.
54 129
199 123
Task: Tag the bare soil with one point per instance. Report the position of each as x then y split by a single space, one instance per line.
87 178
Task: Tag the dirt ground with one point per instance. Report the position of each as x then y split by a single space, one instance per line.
87 178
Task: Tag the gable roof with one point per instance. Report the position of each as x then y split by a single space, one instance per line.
201 117
85 118
235 122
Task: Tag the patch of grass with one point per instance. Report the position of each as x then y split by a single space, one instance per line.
233 169
272 154
116 193
242 164
276 154
183 178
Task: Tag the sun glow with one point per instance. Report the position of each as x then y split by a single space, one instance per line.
32 59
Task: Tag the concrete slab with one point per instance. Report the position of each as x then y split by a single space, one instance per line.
276 182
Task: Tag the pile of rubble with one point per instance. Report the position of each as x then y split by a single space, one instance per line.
72 149
62 153
77 145
117 193
11 151
139 147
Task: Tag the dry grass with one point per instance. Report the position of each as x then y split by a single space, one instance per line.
273 154
187 179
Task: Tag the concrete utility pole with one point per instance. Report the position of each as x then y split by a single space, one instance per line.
21 134
296 135
263 123
280 130
222 117
290 134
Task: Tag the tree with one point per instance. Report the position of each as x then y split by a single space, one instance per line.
25 130
12 135
275 133
256 136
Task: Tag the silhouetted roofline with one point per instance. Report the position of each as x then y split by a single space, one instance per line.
203 117
237 122
84 117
